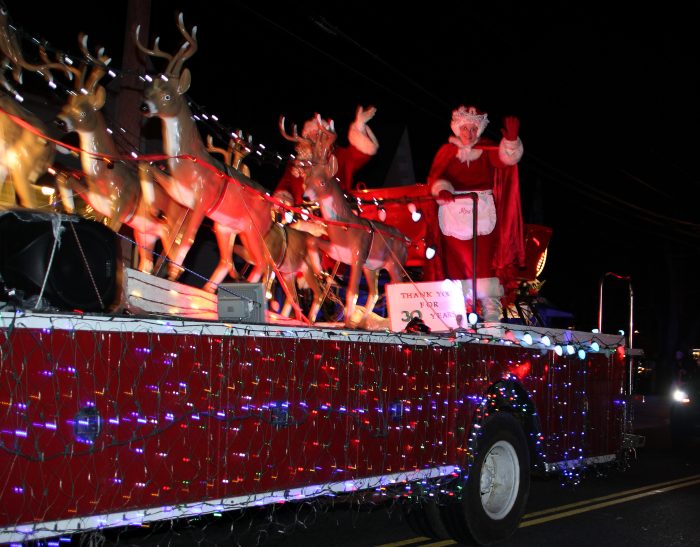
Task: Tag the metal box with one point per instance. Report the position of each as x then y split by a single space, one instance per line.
242 302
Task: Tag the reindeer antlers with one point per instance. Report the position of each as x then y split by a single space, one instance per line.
99 64
321 140
294 137
12 54
176 61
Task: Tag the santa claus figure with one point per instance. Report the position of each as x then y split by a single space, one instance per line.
470 164
363 145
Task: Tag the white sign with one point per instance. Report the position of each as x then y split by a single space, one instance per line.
439 304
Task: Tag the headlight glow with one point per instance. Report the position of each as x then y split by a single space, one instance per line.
680 396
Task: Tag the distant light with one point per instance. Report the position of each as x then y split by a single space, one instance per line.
680 396
288 217
621 332
47 191
429 252
416 216
595 331
472 317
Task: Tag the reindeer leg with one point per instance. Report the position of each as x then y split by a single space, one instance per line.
66 192
351 294
146 243
225 238
372 277
313 283
192 224
396 272
291 297
254 245
171 227
227 246
20 180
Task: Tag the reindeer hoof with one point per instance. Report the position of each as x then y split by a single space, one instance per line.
174 272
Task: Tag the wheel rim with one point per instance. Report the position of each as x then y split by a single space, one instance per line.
500 480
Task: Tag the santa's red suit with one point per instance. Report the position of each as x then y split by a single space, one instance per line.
490 170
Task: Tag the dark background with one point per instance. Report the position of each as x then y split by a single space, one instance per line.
607 97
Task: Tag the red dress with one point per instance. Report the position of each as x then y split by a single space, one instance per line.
500 245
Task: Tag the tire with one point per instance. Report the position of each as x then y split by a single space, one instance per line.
495 491
423 517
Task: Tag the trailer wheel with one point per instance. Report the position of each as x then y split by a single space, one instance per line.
423 517
496 490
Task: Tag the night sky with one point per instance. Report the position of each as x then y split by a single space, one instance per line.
607 97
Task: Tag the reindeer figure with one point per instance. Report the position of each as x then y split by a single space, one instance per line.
290 251
112 189
24 155
233 156
366 246
197 180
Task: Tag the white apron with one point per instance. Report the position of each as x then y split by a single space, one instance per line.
456 218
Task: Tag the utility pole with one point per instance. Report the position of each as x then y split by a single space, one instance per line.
131 86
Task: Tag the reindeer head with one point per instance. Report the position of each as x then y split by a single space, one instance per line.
318 164
87 98
163 96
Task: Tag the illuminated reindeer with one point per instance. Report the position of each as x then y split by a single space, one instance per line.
236 204
24 155
233 156
291 251
112 189
366 246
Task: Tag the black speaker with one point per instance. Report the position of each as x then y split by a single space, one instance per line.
83 272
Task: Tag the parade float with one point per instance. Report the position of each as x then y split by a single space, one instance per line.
127 398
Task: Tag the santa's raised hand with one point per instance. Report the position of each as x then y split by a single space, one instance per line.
511 127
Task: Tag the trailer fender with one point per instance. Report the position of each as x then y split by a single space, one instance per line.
509 395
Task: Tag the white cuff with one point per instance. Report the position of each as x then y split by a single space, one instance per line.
440 185
362 138
510 152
